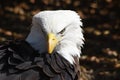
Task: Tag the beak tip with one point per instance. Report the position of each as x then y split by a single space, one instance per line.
50 52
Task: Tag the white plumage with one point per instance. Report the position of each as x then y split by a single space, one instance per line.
65 24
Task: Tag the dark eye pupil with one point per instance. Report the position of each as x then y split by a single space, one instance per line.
62 31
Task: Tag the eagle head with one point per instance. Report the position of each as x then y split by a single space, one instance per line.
58 31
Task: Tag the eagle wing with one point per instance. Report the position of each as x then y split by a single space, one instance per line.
19 61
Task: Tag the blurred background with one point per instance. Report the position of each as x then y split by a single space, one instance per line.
101 19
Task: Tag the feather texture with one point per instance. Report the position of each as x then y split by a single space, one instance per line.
19 61
65 25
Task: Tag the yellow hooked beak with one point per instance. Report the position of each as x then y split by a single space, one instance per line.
52 42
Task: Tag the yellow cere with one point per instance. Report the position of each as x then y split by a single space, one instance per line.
52 42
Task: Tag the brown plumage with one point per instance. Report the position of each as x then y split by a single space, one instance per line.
51 50
19 61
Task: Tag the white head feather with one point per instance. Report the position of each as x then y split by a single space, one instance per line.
55 21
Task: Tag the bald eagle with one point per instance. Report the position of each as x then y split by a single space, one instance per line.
51 51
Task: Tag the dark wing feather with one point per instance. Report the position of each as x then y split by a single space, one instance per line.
19 61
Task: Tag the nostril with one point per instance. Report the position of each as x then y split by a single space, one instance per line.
53 39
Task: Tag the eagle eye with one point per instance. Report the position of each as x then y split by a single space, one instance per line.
62 31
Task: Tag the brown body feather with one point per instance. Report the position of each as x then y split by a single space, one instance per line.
19 61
